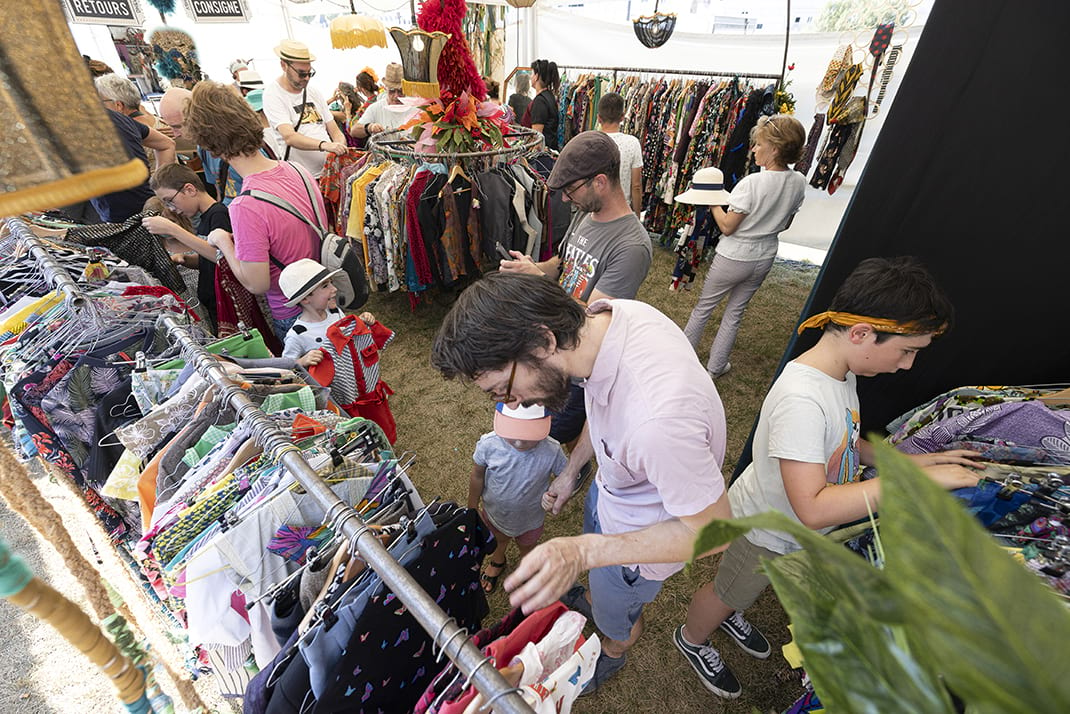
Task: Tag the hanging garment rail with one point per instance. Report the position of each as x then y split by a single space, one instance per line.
447 635
391 145
53 272
688 72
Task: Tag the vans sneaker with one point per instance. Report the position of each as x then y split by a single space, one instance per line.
747 636
707 663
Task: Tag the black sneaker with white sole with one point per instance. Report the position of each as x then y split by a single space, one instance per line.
707 663
747 636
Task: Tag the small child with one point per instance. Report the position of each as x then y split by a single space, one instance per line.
341 351
513 466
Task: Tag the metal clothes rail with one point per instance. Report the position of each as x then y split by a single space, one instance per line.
683 72
448 637
50 268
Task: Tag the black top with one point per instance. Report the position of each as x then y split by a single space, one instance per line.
519 103
118 206
543 110
215 216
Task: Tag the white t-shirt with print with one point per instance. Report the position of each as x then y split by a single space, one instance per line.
807 416
390 116
282 107
631 157
770 199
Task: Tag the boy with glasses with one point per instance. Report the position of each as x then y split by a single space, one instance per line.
299 114
183 192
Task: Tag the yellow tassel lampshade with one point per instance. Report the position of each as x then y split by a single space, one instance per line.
352 31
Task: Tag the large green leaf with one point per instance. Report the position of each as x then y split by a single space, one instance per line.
845 617
991 628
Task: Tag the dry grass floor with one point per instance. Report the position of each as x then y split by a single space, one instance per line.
440 421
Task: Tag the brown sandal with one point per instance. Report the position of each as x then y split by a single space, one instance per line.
490 582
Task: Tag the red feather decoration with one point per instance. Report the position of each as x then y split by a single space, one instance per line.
456 69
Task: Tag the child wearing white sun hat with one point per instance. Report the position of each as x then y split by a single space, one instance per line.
513 467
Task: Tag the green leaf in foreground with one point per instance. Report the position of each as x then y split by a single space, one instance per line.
994 630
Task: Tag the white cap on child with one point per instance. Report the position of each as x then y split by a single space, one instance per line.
520 422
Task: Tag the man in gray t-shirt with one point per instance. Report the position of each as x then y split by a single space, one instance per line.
606 252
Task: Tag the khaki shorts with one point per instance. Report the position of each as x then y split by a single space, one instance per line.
738 582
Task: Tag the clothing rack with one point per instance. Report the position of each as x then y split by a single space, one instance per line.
687 72
448 637
390 145
50 268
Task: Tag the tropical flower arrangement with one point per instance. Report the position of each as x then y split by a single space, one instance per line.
783 99
458 124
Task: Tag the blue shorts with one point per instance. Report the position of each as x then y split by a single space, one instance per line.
618 593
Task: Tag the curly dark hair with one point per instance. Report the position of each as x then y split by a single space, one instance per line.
504 317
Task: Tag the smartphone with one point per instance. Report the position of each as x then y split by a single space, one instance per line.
502 252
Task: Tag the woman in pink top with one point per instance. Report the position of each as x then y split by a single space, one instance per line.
266 238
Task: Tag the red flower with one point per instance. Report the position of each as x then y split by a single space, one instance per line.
791 66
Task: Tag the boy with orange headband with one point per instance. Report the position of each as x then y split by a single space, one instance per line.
807 452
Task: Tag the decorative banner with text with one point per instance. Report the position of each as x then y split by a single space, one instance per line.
102 12
217 10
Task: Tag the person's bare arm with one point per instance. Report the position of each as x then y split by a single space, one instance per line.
298 140
727 221
551 568
163 146
526 264
637 189
475 485
255 277
564 486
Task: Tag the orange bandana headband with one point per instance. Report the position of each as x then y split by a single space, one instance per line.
880 324
371 73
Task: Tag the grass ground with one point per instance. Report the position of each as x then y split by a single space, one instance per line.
440 421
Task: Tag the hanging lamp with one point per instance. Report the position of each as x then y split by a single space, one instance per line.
654 30
351 31
521 3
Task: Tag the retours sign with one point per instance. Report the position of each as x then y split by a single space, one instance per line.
217 10
105 12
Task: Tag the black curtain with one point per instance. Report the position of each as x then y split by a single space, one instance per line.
971 173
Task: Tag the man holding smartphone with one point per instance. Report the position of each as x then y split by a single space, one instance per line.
606 253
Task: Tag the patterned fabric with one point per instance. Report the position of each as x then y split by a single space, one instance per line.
235 304
448 569
133 243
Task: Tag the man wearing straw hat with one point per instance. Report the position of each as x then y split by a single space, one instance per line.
388 112
299 114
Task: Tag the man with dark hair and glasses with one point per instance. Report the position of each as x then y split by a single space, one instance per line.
655 425
299 114
605 253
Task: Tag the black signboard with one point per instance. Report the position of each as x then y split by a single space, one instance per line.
217 10
105 12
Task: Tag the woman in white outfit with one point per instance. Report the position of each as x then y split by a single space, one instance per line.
760 207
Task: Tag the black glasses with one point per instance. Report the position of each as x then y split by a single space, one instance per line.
569 191
508 387
170 202
302 74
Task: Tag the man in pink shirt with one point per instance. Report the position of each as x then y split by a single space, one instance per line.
656 428
266 238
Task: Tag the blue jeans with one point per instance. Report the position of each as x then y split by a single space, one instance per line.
282 326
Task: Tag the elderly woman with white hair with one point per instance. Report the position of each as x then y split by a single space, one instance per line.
121 95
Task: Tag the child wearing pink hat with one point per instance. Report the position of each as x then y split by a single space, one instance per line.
513 467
